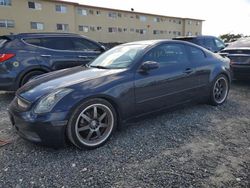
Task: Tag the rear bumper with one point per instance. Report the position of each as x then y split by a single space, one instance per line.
48 130
241 71
7 81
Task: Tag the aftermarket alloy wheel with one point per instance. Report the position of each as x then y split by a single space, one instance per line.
92 124
219 90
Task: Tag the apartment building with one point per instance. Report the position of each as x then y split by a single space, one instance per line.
99 23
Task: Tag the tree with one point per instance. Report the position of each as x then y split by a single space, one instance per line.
231 37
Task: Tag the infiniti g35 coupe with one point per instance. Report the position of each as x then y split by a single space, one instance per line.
85 104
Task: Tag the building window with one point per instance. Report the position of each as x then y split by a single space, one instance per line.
132 30
157 19
112 29
7 23
119 30
197 23
112 14
83 28
99 28
156 32
34 5
98 12
179 33
82 12
189 22
62 27
61 8
91 12
142 31
37 25
189 33
5 2
92 28
125 29
119 15
143 18
179 21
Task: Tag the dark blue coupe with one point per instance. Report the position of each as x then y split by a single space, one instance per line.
85 104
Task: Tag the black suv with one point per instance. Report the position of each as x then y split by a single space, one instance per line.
26 55
211 43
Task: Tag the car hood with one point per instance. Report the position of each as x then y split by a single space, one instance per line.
49 82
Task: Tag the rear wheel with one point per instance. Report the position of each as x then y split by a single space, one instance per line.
92 124
27 77
219 90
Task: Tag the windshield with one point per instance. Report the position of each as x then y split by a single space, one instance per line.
245 42
118 57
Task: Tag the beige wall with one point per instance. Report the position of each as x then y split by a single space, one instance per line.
22 15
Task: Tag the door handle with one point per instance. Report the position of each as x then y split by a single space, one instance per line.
44 55
188 70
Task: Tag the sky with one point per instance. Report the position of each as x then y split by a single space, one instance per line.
221 16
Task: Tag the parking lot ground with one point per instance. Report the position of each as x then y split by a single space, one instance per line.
194 146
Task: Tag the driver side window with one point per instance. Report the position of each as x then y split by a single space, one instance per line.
167 54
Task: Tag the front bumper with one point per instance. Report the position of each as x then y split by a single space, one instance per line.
48 129
241 71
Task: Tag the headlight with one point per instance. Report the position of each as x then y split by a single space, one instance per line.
47 103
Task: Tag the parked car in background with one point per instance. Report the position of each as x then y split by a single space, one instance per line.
211 43
24 56
86 104
239 53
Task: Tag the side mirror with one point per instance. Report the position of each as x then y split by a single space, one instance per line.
103 48
149 65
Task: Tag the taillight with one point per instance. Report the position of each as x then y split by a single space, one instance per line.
5 57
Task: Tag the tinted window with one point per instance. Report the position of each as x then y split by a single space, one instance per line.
195 53
56 43
209 43
34 41
83 45
167 54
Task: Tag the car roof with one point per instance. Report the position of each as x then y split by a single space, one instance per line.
158 41
153 42
51 34
198 36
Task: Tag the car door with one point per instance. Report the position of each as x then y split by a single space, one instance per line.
167 85
57 52
201 67
86 50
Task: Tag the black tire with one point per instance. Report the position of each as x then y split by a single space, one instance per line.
219 90
83 122
29 76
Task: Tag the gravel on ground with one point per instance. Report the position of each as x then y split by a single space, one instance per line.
193 146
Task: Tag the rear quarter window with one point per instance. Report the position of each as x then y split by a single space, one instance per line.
196 54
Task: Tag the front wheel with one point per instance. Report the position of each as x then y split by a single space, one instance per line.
219 90
92 124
